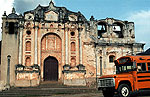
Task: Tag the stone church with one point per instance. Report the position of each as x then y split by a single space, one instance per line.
51 43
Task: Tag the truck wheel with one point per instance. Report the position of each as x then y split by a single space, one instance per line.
108 93
124 90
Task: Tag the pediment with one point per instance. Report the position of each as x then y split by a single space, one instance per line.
51 16
29 16
73 18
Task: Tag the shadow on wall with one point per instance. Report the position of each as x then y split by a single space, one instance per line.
0 59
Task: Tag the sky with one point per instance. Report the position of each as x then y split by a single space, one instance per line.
137 11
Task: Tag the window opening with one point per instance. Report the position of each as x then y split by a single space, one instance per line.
11 28
28 32
72 33
118 29
148 66
141 67
111 58
101 29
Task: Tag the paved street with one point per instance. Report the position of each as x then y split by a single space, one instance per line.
87 95
141 94
80 95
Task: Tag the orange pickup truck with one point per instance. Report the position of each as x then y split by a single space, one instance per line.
132 74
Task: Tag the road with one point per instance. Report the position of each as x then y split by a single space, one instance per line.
140 94
87 95
80 95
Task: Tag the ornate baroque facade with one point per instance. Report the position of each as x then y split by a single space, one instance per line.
53 43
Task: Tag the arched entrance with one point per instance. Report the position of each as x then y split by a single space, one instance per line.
50 69
51 45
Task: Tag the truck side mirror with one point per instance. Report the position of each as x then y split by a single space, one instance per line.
134 65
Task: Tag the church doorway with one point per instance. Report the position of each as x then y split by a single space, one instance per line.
51 45
50 69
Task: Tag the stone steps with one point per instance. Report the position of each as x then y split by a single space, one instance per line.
46 89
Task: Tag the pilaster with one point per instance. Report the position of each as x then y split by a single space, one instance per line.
36 46
66 47
20 45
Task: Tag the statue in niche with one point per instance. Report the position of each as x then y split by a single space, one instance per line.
73 64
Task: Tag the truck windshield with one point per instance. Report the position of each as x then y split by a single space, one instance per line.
127 67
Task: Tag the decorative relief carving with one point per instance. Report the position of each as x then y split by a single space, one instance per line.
73 18
51 16
51 42
29 16
27 72
27 76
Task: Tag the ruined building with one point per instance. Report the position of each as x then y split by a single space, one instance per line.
54 43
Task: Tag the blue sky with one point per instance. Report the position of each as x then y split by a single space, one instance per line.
137 11
105 8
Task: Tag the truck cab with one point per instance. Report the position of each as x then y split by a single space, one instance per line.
132 74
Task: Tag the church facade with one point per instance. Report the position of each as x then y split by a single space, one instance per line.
52 43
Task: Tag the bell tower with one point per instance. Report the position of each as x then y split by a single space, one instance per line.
10 33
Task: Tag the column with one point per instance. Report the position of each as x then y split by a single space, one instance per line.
66 48
35 46
20 45
80 49
80 66
66 66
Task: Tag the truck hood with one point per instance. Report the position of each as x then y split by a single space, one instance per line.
122 75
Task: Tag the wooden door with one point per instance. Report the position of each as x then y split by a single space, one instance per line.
50 69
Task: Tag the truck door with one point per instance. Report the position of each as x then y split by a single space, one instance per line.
134 73
143 77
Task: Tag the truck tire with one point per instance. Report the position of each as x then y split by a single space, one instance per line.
108 93
124 90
